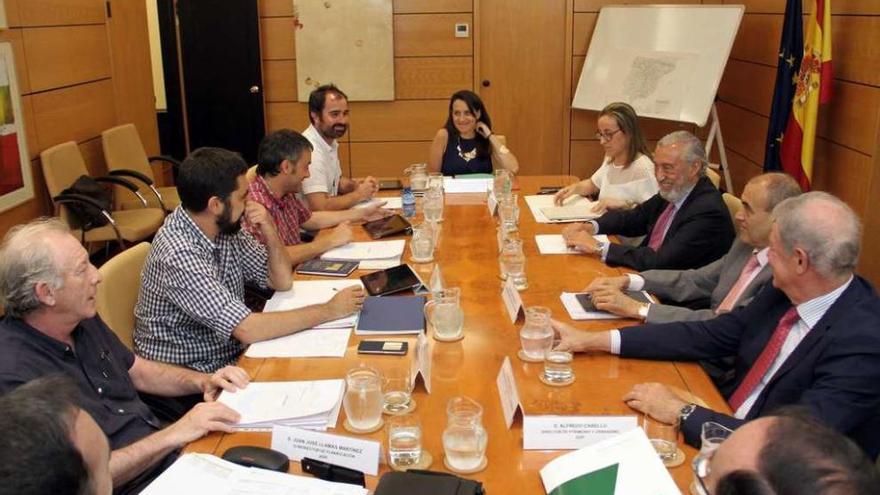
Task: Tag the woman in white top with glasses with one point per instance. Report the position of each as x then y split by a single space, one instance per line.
626 177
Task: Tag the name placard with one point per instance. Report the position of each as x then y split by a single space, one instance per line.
421 363
508 392
512 300
492 203
572 432
353 453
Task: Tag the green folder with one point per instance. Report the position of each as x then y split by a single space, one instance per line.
600 482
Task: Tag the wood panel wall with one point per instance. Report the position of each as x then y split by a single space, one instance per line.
429 65
385 137
79 73
847 163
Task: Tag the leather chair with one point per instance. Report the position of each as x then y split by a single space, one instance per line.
251 174
713 175
125 156
62 165
118 293
733 204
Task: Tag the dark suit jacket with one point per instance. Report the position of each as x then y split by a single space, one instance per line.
700 233
834 372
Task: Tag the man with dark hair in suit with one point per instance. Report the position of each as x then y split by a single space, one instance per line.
789 454
686 224
49 444
730 281
810 339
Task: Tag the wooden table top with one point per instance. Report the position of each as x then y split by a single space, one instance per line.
468 255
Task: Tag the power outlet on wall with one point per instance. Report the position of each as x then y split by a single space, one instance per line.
462 30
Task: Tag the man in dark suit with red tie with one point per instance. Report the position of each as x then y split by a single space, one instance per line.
812 339
685 225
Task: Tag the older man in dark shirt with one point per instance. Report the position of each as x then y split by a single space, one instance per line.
48 287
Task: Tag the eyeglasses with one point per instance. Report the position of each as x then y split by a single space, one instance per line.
606 136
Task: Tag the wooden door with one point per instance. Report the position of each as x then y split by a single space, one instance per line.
222 79
520 73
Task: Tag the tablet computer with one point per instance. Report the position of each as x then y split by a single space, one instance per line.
391 280
388 226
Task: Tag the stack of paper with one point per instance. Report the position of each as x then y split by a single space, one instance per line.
577 311
311 405
539 202
391 203
624 465
308 293
324 342
555 244
455 185
203 473
375 255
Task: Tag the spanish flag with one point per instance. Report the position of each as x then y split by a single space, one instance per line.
813 88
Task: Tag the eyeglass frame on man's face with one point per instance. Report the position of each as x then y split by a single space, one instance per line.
602 136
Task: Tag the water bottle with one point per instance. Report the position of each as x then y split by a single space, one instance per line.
409 202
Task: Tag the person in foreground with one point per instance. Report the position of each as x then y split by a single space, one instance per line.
48 288
788 454
731 281
283 163
190 308
466 144
686 224
49 444
326 188
810 339
626 177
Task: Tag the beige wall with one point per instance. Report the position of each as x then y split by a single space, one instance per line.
73 85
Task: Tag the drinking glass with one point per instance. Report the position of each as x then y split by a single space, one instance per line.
404 440
363 397
435 181
418 176
664 438
464 439
444 313
432 205
536 335
557 366
397 390
513 262
508 211
501 183
422 243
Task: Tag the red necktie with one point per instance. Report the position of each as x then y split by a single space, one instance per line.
659 230
765 360
740 285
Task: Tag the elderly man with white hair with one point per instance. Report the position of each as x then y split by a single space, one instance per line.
685 225
48 286
813 339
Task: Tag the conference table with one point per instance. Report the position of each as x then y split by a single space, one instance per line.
467 253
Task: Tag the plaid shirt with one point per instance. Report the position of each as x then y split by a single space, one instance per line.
288 213
192 294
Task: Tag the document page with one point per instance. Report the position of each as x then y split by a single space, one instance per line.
555 244
540 201
319 342
270 401
311 292
373 250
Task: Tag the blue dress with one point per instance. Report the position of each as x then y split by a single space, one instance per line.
460 157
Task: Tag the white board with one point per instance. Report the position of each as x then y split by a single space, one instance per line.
664 60
349 43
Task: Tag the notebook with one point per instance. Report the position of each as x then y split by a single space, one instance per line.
330 268
587 303
394 315
569 212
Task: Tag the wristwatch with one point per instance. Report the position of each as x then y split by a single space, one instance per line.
685 411
600 247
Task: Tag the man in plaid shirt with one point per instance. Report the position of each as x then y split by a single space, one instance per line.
284 158
191 309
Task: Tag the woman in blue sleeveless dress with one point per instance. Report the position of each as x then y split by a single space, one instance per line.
466 144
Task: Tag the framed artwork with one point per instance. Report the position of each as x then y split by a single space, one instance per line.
16 183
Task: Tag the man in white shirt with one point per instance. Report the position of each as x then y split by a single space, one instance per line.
718 287
327 189
811 339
